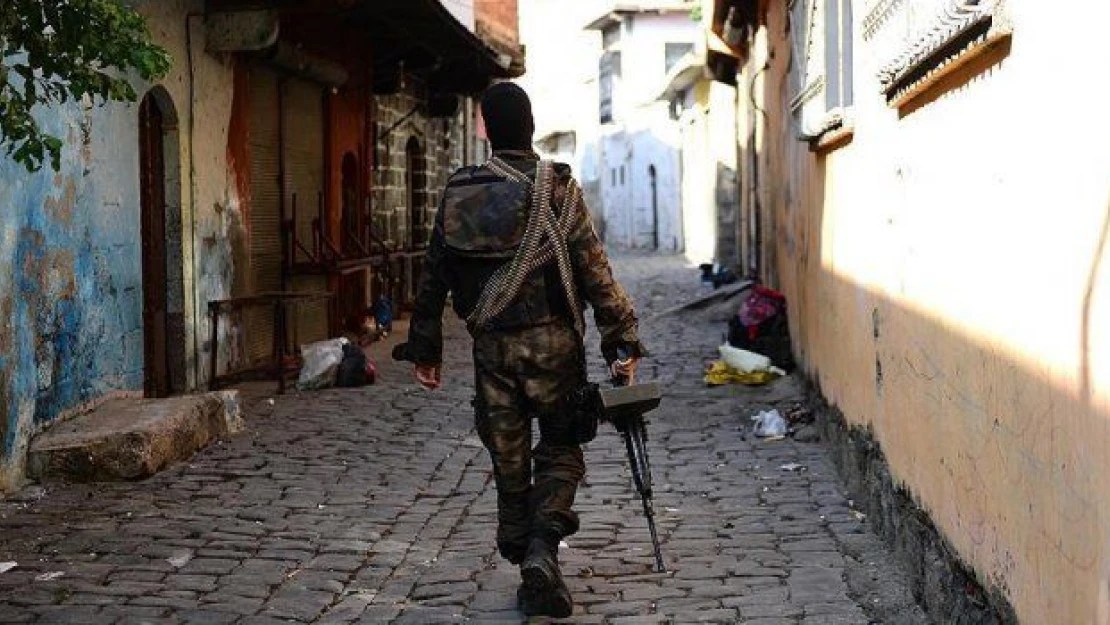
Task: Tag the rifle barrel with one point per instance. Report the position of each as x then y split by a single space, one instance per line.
635 443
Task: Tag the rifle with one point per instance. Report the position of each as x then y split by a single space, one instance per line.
624 406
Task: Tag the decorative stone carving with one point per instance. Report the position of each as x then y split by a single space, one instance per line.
936 38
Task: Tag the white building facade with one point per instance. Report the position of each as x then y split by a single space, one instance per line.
638 144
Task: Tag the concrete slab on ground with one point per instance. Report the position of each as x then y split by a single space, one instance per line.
128 439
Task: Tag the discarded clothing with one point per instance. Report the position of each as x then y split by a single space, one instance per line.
719 373
761 326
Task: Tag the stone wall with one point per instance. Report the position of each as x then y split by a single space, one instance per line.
443 144
943 584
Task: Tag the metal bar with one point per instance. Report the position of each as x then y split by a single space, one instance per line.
281 180
279 339
213 342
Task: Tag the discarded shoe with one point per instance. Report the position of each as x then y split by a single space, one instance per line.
543 593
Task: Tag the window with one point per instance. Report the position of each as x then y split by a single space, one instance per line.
673 53
613 177
609 71
610 35
622 175
821 67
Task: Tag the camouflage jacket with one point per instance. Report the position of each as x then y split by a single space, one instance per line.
479 224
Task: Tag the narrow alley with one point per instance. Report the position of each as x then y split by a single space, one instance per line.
376 505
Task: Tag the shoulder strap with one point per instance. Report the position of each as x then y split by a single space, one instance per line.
544 241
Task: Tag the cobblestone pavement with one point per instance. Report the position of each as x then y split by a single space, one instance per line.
376 505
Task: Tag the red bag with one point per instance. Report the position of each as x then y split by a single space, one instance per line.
762 305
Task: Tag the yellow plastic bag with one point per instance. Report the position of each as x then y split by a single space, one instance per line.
719 374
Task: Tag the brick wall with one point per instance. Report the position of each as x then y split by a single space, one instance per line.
498 20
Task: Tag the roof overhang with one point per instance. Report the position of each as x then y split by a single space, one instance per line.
616 12
554 136
423 37
419 37
687 72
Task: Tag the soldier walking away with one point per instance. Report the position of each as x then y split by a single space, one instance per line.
515 246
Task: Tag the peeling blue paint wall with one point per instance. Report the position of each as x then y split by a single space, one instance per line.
70 275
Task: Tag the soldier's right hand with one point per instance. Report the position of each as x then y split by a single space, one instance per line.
429 376
625 369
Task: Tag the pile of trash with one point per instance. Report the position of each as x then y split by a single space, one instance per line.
761 326
741 366
798 422
716 275
758 348
335 362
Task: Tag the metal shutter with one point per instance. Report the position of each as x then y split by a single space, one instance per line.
304 163
265 209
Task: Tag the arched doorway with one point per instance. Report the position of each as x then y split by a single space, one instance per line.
416 193
160 222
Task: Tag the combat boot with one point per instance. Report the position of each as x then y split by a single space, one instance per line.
543 592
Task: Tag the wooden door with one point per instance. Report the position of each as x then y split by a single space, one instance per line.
152 188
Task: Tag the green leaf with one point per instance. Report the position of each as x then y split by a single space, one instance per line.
62 51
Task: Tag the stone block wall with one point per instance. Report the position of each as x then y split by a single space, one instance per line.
443 144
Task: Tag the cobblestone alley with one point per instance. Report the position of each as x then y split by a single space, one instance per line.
376 505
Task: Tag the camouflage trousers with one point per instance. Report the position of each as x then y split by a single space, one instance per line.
521 376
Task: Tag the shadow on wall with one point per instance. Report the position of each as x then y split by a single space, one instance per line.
1010 464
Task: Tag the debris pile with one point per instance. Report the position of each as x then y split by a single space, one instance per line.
335 362
761 326
742 366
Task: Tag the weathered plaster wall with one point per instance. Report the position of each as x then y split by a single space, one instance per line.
70 278
215 174
708 174
70 247
948 283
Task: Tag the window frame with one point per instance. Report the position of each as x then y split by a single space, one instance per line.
821 71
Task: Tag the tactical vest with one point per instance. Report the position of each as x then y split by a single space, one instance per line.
484 216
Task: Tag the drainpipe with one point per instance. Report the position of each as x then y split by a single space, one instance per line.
756 252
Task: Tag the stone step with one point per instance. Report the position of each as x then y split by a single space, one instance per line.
129 439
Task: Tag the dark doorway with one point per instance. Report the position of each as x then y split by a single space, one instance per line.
352 287
415 187
153 208
654 207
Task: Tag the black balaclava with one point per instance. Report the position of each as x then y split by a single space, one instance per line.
507 113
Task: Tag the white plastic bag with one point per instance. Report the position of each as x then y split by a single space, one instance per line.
321 362
747 362
769 424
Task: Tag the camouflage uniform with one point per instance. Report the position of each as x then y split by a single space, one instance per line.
532 356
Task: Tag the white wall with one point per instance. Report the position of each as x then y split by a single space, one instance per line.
643 136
